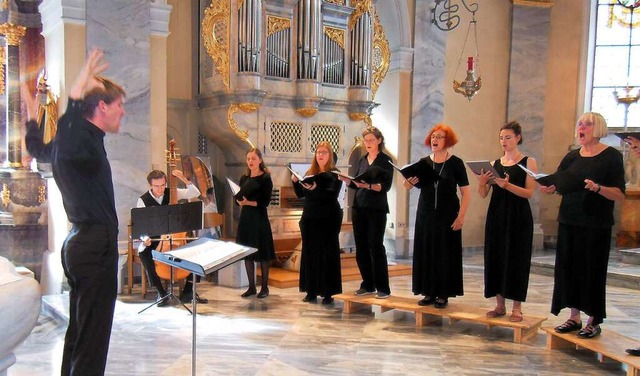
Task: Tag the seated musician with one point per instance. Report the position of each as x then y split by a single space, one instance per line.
159 194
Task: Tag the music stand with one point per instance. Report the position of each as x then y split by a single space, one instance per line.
153 221
202 257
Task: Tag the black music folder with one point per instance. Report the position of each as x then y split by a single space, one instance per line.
372 175
564 181
421 169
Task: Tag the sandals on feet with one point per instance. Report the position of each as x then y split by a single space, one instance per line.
516 316
497 312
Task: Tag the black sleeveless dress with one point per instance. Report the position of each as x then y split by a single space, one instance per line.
508 238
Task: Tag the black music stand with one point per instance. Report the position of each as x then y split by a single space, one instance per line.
202 257
153 221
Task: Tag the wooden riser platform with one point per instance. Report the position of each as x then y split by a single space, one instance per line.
609 345
282 278
522 331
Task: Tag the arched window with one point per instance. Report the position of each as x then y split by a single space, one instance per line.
614 61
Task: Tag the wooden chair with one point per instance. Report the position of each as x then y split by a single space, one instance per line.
214 220
131 259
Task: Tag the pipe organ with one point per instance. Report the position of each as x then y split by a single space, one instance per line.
303 71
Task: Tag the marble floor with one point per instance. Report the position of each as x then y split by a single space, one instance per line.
281 335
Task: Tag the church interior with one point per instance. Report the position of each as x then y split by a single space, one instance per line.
208 79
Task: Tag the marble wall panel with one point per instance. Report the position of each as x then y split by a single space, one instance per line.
527 79
122 29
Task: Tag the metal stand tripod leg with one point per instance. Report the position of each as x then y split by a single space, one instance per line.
170 296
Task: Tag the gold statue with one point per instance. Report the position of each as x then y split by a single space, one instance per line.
47 109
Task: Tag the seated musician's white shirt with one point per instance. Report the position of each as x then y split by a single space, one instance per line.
191 191
183 194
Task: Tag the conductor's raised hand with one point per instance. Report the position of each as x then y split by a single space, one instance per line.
87 79
29 100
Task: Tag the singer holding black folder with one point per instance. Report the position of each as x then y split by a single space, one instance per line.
437 250
585 219
508 232
254 228
320 272
369 215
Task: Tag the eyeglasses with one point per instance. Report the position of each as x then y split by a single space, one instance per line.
322 152
437 137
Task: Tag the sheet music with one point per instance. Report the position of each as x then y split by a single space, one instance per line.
208 253
235 188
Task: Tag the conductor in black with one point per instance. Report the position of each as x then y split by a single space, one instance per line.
83 174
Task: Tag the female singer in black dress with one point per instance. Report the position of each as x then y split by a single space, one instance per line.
508 232
320 272
369 215
585 219
437 250
254 229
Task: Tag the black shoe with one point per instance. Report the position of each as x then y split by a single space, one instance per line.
441 303
361 292
590 331
426 301
327 300
248 293
188 297
634 352
163 300
263 293
568 326
310 298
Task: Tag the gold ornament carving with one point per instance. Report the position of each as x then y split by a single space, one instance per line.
361 116
3 62
337 2
381 55
5 4
215 34
534 3
307 111
275 24
42 194
244 107
6 195
12 33
336 35
362 7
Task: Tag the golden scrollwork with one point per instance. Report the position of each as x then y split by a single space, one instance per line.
243 135
362 7
358 116
337 2
42 194
307 111
3 62
381 55
12 33
215 34
275 24
6 195
336 35
5 5
534 3
248 107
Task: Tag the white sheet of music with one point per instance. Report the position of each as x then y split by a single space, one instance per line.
208 253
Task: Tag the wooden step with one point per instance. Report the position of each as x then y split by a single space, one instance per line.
609 344
282 278
454 311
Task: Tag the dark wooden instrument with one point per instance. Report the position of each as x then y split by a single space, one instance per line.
176 240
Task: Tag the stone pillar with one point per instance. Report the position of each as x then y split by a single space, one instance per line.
531 21
428 101
13 33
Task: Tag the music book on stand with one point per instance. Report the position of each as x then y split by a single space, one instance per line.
204 255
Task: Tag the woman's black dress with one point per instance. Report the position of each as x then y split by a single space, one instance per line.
437 251
508 238
254 229
584 235
320 272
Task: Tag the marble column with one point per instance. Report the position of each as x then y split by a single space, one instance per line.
3 101
528 81
13 34
428 84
